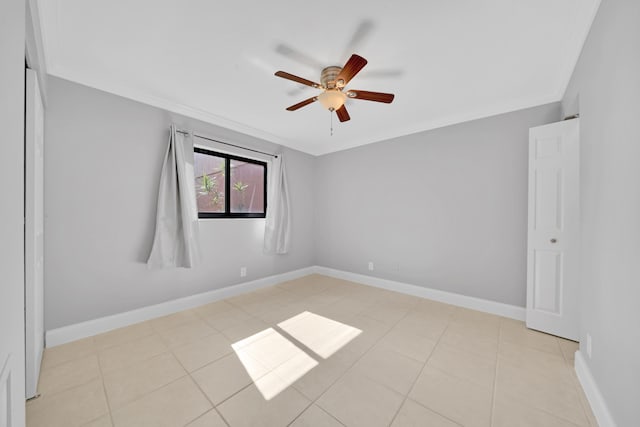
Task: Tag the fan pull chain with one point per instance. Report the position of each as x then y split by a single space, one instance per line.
331 121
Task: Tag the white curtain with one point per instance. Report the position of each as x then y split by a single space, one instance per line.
277 230
176 238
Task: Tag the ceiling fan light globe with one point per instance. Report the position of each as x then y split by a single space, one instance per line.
332 99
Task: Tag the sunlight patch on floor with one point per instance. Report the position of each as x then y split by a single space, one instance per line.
274 362
322 335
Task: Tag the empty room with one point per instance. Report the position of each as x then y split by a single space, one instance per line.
285 213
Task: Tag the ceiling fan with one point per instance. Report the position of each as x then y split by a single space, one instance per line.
333 81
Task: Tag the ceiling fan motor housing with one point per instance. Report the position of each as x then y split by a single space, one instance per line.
328 77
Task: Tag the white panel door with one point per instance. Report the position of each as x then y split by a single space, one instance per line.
34 233
553 288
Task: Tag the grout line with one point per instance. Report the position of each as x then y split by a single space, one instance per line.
213 405
495 375
413 384
40 395
46 349
104 390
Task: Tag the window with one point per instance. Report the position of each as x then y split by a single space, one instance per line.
229 186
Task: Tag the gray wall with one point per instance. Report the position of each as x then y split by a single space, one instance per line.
445 209
103 159
605 90
12 39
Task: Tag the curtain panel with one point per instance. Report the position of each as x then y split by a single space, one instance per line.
277 228
176 241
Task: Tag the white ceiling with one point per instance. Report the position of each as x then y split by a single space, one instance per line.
447 61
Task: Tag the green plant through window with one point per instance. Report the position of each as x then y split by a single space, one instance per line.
210 187
240 187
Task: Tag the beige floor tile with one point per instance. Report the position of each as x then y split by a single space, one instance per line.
249 408
315 417
428 309
586 406
63 353
68 375
259 307
186 333
225 377
389 368
127 384
213 309
173 405
173 320
203 351
227 319
123 335
544 363
210 419
320 378
541 392
326 297
386 314
121 356
308 285
488 331
244 329
510 413
281 313
517 333
412 414
466 315
103 421
346 307
463 365
265 295
466 341
360 344
426 326
73 407
568 349
453 398
356 400
411 345
369 325
427 306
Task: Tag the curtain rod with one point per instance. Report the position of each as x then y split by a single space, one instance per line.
184 132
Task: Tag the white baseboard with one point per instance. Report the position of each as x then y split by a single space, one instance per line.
92 327
591 390
487 306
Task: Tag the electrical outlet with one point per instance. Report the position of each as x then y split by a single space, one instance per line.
370 265
589 346
243 271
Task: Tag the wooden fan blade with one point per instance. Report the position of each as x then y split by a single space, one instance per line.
297 79
303 103
350 69
342 113
371 96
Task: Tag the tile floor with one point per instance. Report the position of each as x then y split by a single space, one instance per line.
315 351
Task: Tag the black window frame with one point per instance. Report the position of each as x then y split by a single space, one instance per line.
227 186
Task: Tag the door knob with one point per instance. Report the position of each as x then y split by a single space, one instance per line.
554 240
